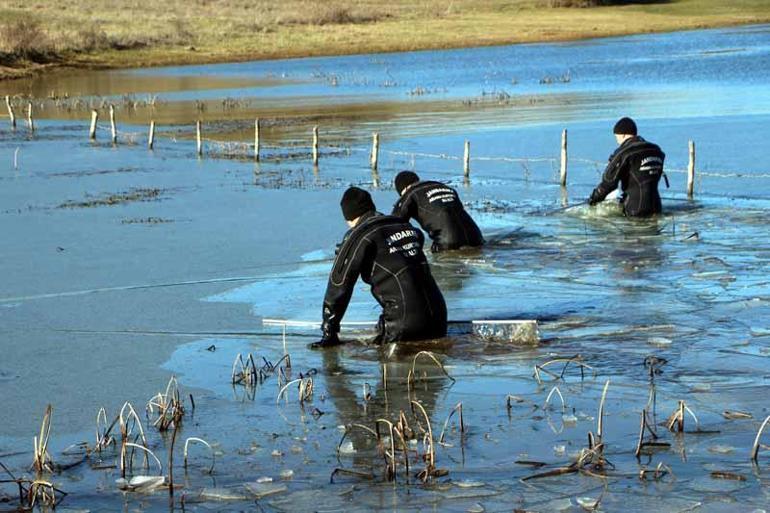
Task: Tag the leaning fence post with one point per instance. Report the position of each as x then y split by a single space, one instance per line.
691 170
256 139
467 160
92 130
315 145
198 139
113 127
563 169
151 137
30 122
10 111
375 150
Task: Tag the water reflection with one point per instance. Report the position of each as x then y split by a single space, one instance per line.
363 403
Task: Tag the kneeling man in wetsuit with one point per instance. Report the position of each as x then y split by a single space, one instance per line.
638 166
438 209
387 253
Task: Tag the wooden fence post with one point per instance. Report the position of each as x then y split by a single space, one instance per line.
375 150
563 168
10 111
256 139
315 145
92 129
30 121
113 127
467 160
151 137
198 139
691 171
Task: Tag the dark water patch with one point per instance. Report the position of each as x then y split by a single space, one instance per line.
96 172
133 195
146 220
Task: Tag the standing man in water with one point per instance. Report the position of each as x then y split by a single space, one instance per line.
387 253
638 166
438 209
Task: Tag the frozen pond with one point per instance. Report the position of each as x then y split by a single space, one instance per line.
122 267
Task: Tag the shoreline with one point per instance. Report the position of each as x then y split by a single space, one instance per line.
160 56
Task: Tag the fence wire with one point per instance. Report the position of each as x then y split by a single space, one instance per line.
241 148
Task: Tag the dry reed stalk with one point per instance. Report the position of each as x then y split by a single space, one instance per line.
458 408
244 373
430 451
350 472
42 461
403 425
404 447
390 457
560 471
385 377
43 492
285 358
755 447
675 421
435 360
129 420
286 386
203 442
509 399
103 438
350 427
600 420
171 466
657 473
577 360
127 464
170 409
305 389
548 399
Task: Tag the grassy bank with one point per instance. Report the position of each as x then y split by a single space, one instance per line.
125 33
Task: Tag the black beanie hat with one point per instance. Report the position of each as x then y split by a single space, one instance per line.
625 126
356 202
404 179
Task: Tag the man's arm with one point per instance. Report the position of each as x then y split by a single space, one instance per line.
403 207
339 289
610 179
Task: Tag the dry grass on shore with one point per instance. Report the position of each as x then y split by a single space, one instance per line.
118 33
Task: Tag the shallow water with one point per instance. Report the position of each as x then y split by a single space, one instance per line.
126 266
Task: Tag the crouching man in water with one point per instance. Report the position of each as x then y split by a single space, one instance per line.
438 209
387 253
638 166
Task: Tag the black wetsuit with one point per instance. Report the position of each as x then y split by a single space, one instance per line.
438 209
387 253
638 166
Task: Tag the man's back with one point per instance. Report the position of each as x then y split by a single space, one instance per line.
438 209
387 253
641 164
637 166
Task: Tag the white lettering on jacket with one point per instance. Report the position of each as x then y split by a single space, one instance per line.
403 234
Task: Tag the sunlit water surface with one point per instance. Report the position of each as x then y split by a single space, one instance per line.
123 267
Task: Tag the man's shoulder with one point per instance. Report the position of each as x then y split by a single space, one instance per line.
637 145
431 188
376 222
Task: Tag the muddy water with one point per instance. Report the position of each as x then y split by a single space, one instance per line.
123 267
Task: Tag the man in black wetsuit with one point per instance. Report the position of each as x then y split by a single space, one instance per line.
438 209
387 253
638 166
